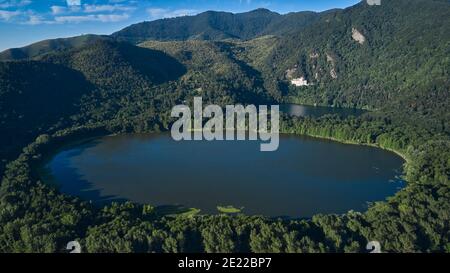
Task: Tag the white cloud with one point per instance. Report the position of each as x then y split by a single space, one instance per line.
74 12
24 17
105 18
155 12
58 9
106 8
159 13
34 19
6 15
14 3
73 2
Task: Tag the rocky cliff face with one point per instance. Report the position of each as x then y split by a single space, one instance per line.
357 36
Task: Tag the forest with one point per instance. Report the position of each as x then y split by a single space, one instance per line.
92 87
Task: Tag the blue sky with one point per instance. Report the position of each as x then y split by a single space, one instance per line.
26 21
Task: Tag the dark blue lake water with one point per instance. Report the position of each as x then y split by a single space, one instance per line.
304 177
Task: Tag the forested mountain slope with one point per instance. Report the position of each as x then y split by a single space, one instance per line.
393 59
106 63
90 83
35 96
405 51
212 25
214 72
47 46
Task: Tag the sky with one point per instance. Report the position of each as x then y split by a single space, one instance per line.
26 21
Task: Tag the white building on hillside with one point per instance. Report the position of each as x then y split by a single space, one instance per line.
300 82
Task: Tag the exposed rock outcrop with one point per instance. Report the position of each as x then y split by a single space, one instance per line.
333 73
332 61
357 36
290 73
314 55
373 2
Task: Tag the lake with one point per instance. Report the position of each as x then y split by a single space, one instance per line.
304 177
318 111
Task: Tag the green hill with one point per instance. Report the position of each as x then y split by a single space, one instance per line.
213 25
214 73
47 46
405 52
89 83
118 65
35 96
393 59
400 62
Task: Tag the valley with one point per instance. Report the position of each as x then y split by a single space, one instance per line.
389 91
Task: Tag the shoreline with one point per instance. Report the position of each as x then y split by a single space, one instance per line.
400 154
42 172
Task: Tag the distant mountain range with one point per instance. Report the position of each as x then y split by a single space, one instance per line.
393 60
364 56
210 25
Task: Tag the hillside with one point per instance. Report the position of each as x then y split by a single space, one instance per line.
48 46
321 48
35 96
214 72
87 84
105 63
392 59
213 25
399 57
210 25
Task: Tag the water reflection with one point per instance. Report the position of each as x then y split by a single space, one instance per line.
318 111
304 177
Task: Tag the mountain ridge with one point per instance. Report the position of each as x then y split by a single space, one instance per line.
399 70
215 25
208 25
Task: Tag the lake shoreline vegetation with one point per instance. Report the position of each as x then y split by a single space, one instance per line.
400 153
117 85
68 147
229 209
44 144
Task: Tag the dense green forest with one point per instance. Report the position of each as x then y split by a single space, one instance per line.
212 25
62 91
